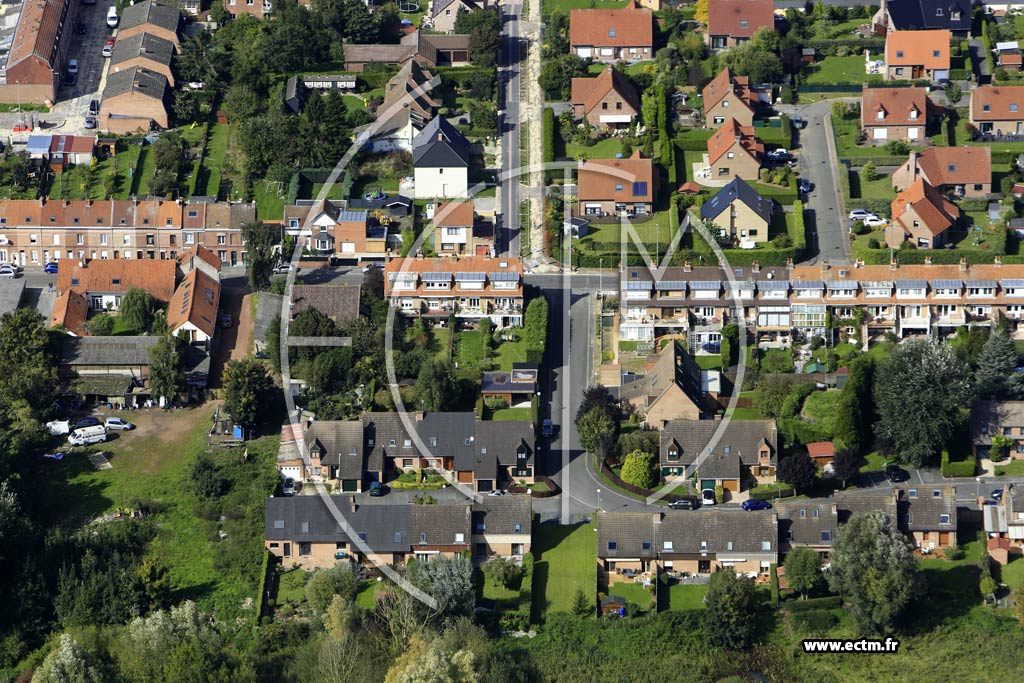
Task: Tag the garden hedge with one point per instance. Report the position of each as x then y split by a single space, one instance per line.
772 494
831 602
957 468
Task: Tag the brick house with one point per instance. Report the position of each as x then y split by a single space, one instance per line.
36 52
746 451
135 99
1002 418
935 15
961 171
615 187
927 515
728 96
734 152
739 212
998 110
914 55
192 310
443 13
893 114
612 35
922 215
807 524
606 101
734 22
149 16
329 229
147 50
675 388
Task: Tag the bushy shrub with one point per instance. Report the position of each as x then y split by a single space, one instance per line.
817 622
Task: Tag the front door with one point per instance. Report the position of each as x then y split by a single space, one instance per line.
703 566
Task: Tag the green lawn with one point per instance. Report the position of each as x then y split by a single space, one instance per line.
353 103
820 407
847 131
269 201
565 561
564 6
213 162
683 596
144 171
469 348
291 587
1012 469
634 593
509 352
366 597
602 149
709 362
838 70
879 188
512 415
657 230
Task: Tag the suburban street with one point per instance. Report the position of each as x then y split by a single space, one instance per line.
508 70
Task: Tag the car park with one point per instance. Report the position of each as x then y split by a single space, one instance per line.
707 497
118 424
51 267
752 504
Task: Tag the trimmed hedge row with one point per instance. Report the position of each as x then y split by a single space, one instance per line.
772 494
831 602
548 120
880 160
462 75
818 621
265 569
696 140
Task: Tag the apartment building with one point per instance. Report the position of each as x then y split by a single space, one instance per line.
471 288
34 56
35 232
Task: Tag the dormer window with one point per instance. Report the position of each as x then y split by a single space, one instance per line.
826 536
986 107
899 54
912 493
951 168
880 115
913 113
666 545
937 493
766 545
814 512
728 545
935 53
938 11
611 33
423 538
803 513
943 519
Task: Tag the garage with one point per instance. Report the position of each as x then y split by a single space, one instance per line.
349 485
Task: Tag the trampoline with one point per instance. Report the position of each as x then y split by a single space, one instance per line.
409 7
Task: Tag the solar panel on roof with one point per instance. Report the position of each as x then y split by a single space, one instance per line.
470 277
773 285
670 285
437 277
911 284
705 285
948 284
504 277
638 285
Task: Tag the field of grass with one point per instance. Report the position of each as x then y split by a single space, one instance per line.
602 149
634 593
873 462
269 204
291 587
657 230
838 70
144 171
879 188
564 6
820 407
683 596
81 182
366 597
511 414
709 362
213 162
565 561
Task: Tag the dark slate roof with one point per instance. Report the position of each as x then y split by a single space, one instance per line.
501 514
398 205
929 14
113 351
434 525
720 466
136 79
340 303
340 444
673 532
440 145
143 45
308 518
150 12
850 503
737 190
807 522
1015 496
741 438
920 507
498 443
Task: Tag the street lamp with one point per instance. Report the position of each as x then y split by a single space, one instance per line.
599 499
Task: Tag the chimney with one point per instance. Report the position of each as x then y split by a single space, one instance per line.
997 261
755 266
963 264
352 503
859 263
658 516
687 267
913 166
42 201
894 263
789 264
927 260
825 267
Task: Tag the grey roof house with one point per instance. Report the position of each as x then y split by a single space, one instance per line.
745 449
439 144
808 524
340 303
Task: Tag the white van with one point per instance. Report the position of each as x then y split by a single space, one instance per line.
112 17
85 436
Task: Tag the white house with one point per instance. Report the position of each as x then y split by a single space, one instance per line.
192 312
440 158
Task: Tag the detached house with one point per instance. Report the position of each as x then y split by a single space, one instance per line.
616 187
922 215
606 101
443 13
612 35
998 109
733 151
962 171
407 107
453 229
997 418
739 213
440 158
913 55
676 388
919 15
695 542
729 97
893 114
745 451
327 228
734 22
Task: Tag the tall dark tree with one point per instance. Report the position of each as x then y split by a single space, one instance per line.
731 616
919 378
167 366
373 283
846 465
247 391
995 377
797 470
435 386
855 410
598 396
484 29
260 239
803 570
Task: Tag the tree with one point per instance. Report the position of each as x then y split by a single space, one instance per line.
556 75
274 342
803 570
27 394
167 366
449 581
338 581
428 662
136 309
259 240
701 14
484 29
501 571
247 390
855 410
771 394
919 378
874 569
373 283
953 92
180 644
435 386
868 172
535 328
186 106
731 616
597 432
797 470
100 325
69 663
638 469
994 377
846 465
598 396
581 605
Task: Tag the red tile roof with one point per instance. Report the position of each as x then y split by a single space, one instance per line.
195 300
453 215
616 179
630 26
935 211
896 105
727 17
1004 102
118 275
929 49
725 137
955 165
723 84
70 310
203 254
590 91
819 449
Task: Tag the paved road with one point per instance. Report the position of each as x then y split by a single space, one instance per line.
509 67
978 61
824 211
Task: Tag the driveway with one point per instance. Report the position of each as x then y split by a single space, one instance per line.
824 212
232 342
73 101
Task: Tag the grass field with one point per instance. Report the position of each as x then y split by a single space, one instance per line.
366 597
634 593
144 172
820 407
683 596
879 188
602 149
565 561
1011 469
657 230
548 6
838 70
269 204
511 414
291 587
213 162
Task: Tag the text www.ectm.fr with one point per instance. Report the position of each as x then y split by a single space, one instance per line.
889 645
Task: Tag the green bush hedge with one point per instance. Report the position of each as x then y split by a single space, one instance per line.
772 494
831 602
957 468
549 134
694 139
775 586
265 569
814 621
959 74
880 160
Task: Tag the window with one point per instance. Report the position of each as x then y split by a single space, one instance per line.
803 513
744 23
826 536
723 171
986 107
305 527
912 493
766 545
406 462
362 535
814 513
943 519
618 187
103 240
613 545
460 538
278 523
1013 107
398 537
951 168
79 239
518 528
646 545
666 545
728 545
611 33
150 241
937 493
703 546
899 54
222 239
935 53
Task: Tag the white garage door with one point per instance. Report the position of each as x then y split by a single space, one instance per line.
348 247
881 133
913 133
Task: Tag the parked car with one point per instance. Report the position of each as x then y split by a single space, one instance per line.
779 155
7 270
284 268
753 504
707 497
86 436
804 186
225 320
798 122
370 266
997 494
289 487
108 47
90 122
547 428
496 492
51 267
118 424
684 504
81 29
112 18
70 79
711 347
59 427
73 67
875 222
896 474
94 107
87 421
376 489
859 214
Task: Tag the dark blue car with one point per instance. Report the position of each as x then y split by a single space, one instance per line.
753 504
51 268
